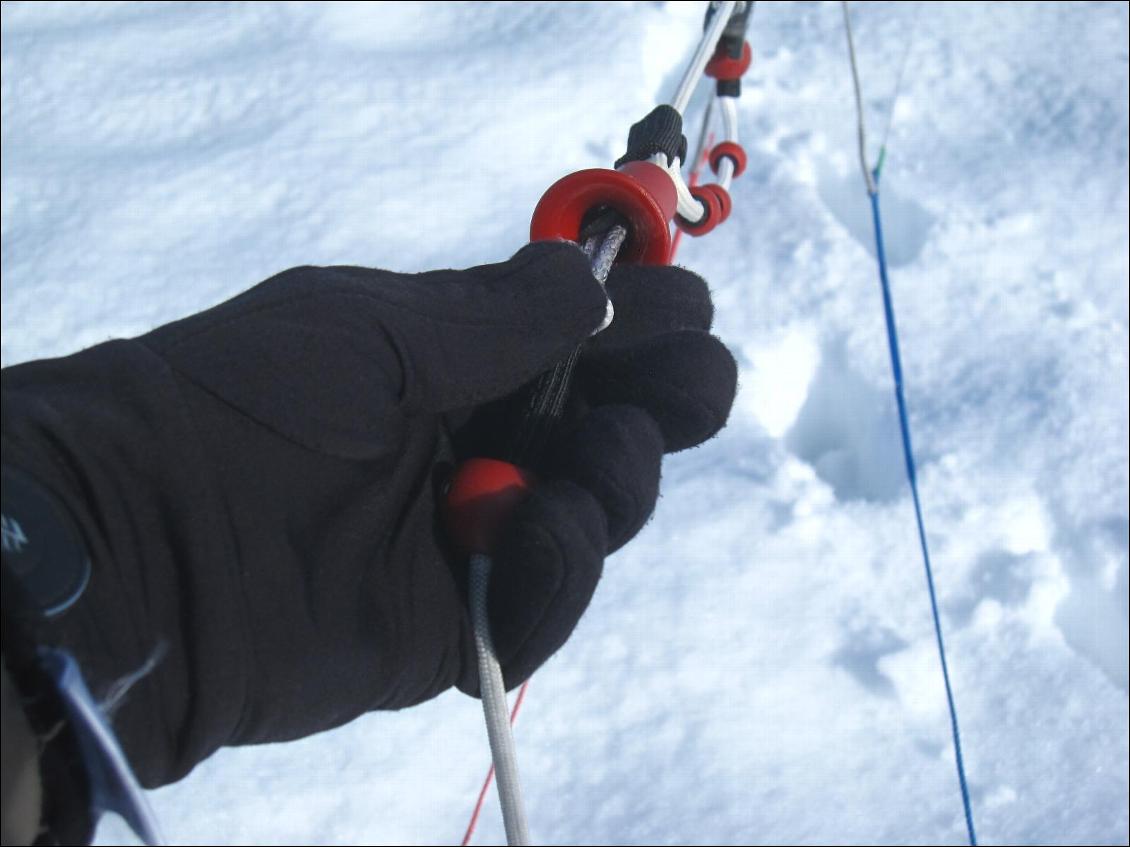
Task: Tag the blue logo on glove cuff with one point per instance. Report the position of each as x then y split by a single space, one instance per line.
42 546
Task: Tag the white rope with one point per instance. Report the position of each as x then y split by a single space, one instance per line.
729 109
703 134
693 74
688 207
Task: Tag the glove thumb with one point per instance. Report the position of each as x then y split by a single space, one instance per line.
338 359
468 337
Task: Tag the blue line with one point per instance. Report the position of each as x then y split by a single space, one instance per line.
912 476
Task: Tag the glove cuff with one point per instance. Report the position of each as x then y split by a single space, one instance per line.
107 434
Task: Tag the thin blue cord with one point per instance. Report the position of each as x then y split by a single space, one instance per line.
912 477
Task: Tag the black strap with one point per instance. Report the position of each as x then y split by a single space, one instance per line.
545 407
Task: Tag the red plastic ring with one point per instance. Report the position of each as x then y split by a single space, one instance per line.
728 150
722 67
725 204
640 191
711 219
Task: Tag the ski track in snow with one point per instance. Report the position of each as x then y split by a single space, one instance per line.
759 666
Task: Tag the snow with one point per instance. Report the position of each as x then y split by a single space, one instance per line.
759 665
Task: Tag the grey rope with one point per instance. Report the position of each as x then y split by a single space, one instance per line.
866 168
494 709
604 255
602 251
898 82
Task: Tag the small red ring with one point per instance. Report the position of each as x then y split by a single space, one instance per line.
711 219
722 67
725 204
728 150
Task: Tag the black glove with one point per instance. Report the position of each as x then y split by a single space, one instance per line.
258 485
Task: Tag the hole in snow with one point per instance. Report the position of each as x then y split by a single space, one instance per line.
1093 617
998 575
906 225
862 651
847 430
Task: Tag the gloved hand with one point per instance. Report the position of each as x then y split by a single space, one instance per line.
258 485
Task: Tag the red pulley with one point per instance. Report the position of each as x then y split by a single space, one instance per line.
722 67
728 150
710 200
479 499
640 191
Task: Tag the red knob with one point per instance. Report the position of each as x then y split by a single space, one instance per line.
480 498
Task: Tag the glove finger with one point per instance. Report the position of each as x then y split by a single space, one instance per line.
467 337
615 454
546 568
551 556
685 380
651 301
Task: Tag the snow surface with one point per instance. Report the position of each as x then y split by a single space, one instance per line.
759 666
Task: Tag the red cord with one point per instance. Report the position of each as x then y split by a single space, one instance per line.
699 165
490 773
